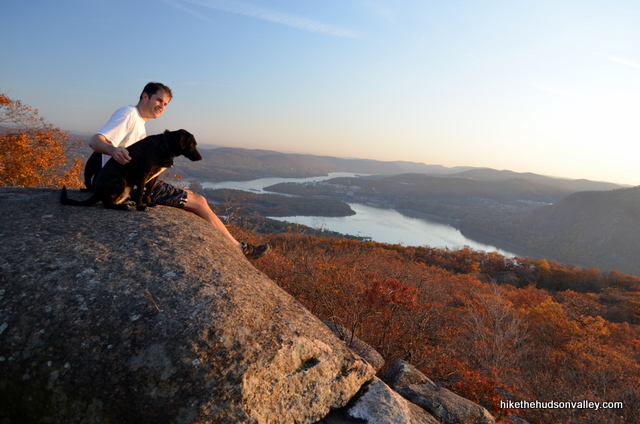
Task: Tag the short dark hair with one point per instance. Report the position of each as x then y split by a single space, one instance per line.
153 87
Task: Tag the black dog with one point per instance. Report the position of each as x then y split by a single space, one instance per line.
149 157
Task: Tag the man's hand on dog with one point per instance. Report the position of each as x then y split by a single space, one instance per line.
121 155
101 145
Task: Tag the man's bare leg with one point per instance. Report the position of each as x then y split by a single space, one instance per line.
198 205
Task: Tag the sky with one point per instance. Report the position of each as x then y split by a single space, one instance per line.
546 86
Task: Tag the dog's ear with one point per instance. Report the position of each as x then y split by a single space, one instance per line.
185 138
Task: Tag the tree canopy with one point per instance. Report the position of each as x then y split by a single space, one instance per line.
33 152
488 327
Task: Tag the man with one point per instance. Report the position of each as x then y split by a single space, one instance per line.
126 127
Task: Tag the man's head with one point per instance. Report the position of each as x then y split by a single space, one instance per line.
153 100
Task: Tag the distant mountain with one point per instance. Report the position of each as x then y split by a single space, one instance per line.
488 174
236 164
591 229
367 166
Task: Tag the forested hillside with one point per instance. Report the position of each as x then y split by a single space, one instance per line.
488 174
489 327
599 229
593 229
250 204
445 198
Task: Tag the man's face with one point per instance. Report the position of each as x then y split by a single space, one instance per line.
152 107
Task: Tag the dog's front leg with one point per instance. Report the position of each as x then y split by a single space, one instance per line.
141 195
148 190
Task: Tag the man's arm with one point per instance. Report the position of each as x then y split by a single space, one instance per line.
100 144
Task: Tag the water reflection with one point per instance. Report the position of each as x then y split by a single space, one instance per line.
257 186
382 225
389 226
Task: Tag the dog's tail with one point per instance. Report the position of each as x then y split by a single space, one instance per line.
66 201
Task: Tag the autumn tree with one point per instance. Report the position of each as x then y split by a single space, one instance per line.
34 153
495 331
523 335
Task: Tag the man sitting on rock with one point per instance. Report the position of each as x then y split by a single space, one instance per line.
127 126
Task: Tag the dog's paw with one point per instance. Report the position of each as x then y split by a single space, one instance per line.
142 208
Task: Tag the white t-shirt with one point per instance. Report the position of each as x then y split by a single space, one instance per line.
124 128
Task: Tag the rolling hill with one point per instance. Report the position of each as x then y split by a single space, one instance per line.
488 174
589 229
235 164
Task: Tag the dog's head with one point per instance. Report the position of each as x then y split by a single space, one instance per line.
186 145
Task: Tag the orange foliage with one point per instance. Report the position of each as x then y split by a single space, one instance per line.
33 153
477 323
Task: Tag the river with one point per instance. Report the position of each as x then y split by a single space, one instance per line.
381 225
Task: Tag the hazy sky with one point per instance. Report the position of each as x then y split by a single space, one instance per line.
544 86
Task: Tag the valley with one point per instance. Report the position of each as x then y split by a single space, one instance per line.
532 214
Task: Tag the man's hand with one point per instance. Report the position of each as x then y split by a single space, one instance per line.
101 145
121 155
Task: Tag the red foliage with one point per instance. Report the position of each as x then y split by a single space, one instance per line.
443 312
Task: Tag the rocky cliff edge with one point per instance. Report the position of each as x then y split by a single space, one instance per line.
154 317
